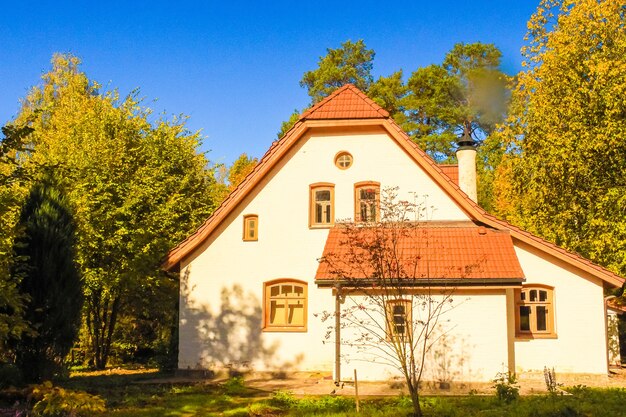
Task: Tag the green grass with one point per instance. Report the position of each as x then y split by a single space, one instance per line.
127 396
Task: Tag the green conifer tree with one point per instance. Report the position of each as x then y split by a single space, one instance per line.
50 279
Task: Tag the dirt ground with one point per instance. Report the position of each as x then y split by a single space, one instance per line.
316 383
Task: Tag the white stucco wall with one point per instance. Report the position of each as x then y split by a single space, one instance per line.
287 248
222 281
580 345
469 345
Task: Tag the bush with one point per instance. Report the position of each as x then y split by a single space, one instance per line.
59 402
10 376
506 386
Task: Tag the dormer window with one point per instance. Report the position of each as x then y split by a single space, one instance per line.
367 202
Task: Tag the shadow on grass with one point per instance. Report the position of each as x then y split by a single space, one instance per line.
85 381
159 394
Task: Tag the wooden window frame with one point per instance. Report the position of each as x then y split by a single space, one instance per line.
246 228
357 200
339 155
321 186
533 333
266 326
408 320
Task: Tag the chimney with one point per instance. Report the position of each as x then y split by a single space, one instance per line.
466 156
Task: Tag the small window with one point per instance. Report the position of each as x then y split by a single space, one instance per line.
367 202
322 205
343 160
399 320
534 312
250 227
285 306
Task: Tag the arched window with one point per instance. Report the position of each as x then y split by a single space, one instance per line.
534 311
285 305
322 204
367 201
250 227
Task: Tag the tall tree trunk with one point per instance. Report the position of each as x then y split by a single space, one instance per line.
106 348
101 320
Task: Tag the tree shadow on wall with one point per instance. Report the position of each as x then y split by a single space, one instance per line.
225 336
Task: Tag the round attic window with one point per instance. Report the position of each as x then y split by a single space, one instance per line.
343 160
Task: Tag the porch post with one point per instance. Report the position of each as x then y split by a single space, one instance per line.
510 327
337 334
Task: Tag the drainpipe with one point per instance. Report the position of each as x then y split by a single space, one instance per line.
466 157
337 334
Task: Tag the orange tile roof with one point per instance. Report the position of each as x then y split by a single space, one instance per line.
451 171
307 121
426 252
347 102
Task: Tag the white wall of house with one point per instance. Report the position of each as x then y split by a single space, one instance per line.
286 248
469 345
580 345
222 280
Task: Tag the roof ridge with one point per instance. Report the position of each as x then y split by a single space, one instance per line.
322 102
365 108
473 210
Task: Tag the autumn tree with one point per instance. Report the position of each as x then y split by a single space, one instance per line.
565 164
49 277
13 190
392 312
240 170
139 188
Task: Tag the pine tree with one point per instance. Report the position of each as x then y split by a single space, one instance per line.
50 280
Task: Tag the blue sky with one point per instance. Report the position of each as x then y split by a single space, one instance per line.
235 67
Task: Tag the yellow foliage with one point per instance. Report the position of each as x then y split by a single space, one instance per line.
59 402
566 163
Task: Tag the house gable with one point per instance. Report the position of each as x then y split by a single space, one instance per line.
348 111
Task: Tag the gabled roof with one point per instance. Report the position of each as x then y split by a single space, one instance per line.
354 109
427 251
347 102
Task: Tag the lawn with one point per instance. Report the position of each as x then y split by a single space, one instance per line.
131 395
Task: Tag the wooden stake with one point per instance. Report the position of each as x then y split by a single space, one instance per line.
356 392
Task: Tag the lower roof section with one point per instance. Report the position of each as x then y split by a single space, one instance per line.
419 254
443 283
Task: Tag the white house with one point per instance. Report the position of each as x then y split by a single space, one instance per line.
252 291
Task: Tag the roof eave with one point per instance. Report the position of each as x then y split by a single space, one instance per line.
475 212
421 282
